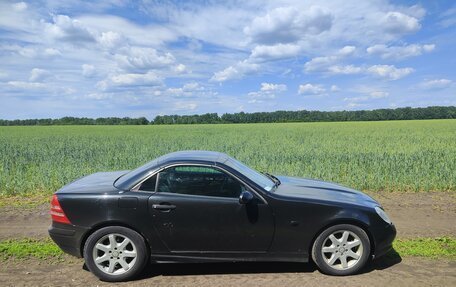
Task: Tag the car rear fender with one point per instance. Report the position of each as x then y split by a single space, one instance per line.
108 224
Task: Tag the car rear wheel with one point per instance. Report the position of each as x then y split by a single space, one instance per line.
115 253
341 250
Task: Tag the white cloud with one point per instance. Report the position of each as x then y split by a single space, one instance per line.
235 72
189 90
356 99
268 87
180 68
345 70
258 54
177 92
325 63
30 51
267 91
226 74
131 79
258 97
141 59
52 52
70 30
448 18
415 11
288 25
214 22
310 89
319 63
399 52
98 96
88 70
378 94
184 106
389 71
313 25
436 84
334 88
102 85
277 51
27 52
20 6
369 95
399 23
110 39
38 75
346 51
27 85
118 29
192 86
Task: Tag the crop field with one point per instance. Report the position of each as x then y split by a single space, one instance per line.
409 166
392 156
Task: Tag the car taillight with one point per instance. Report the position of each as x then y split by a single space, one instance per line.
56 212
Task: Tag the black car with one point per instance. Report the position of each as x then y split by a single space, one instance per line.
202 206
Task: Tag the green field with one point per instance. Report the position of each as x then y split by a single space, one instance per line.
436 248
393 156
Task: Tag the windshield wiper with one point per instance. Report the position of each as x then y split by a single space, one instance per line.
273 178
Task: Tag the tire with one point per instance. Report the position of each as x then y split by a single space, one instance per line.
339 242
115 253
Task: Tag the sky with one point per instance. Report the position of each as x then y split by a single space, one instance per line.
146 58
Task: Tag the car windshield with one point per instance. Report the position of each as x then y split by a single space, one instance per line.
252 174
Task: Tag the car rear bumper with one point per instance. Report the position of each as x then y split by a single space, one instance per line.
68 237
384 240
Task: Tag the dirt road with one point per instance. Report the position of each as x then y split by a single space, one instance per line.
414 214
410 272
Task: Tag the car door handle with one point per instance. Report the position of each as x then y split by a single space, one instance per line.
163 207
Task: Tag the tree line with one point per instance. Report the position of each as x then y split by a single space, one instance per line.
435 112
76 121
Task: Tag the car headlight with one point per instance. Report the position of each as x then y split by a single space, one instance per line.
382 214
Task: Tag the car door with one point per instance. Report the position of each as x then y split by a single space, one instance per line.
196 208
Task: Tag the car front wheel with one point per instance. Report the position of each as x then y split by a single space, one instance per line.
115 253
341 250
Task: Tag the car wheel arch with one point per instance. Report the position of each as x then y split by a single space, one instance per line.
350 221
110 224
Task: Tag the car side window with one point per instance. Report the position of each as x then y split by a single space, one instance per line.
198 180
149 184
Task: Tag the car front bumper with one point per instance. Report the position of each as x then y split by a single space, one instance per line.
68 237
384 237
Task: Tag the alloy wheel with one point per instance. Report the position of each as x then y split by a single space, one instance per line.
342 249
114 254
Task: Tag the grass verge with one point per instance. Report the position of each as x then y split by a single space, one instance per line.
440 247
29 248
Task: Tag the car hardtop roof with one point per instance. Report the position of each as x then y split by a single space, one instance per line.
127 181
193 155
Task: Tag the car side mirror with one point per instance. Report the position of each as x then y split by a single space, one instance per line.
245 197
